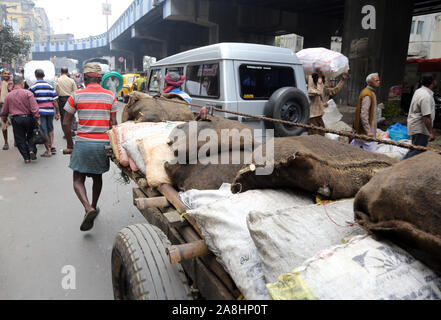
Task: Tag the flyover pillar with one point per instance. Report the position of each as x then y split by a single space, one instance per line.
375 39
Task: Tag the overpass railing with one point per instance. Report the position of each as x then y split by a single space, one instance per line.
137 10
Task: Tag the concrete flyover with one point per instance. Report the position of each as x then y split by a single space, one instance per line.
161 28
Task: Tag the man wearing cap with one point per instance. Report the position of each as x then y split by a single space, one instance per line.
96 108
173 83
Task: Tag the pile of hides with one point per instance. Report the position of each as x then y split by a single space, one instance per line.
403 203
317 165
211 161
145 108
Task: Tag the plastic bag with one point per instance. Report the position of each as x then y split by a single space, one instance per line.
48 68
330 63
332 115
398 132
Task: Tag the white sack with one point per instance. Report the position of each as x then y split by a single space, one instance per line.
285 239
224 226
133 152
363 269
332 115
156 152
331 63
137 131
393 151
195 199
47 66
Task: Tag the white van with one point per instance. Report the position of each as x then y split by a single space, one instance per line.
248 78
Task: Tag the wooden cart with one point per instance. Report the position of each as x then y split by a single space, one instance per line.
148 265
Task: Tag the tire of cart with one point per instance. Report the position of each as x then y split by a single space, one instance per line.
141 269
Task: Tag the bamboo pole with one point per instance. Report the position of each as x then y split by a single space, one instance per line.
149 203
187 251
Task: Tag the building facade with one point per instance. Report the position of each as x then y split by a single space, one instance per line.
43 24
3 14
425 37
25 19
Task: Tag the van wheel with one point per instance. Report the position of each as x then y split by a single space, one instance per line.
289 104
141 269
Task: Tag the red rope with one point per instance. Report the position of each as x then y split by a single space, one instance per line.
350 224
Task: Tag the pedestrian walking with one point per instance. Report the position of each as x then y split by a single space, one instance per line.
6 87
46 97
422 115
22 107
96 108
66 87
173 83
366 114
319 92
26 86
78 81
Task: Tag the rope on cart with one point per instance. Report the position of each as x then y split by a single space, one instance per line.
312 127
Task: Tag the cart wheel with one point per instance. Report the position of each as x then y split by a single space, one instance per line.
141 269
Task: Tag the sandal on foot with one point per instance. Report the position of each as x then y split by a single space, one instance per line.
89 218
6 147
33 156
46 155
53 151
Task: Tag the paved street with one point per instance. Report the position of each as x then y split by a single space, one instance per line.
40 228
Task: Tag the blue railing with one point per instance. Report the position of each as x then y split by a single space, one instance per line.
137 10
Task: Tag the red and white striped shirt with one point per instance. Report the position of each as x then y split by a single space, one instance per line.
94 106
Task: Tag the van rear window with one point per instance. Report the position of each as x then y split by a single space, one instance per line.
259 82
203 80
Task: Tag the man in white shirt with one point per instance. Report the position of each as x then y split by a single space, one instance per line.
422 115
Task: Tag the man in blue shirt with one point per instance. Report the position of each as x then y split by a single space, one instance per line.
47 100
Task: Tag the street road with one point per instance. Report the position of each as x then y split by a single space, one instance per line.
40 228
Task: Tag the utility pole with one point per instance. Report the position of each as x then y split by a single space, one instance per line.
107 11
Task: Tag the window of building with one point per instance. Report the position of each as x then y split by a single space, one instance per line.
420 27
260 82
412 30
203 80
155 80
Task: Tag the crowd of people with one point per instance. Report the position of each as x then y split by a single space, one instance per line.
420 119
36 107
24 106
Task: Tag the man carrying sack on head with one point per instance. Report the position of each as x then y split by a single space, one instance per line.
97 109
6 87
